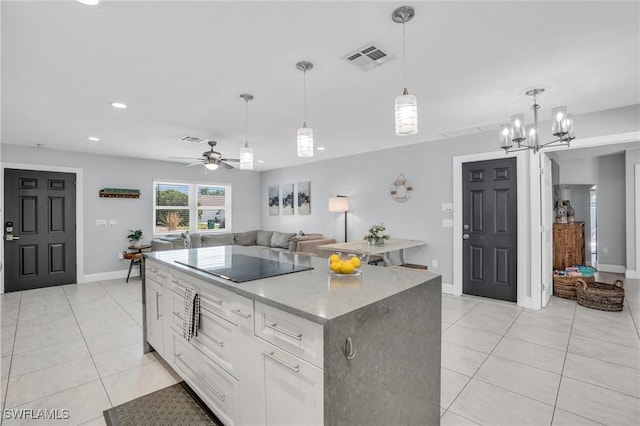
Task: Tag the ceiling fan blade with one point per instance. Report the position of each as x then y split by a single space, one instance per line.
194 164
233 160
185 158
225 165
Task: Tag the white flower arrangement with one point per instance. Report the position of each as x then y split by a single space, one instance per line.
376 233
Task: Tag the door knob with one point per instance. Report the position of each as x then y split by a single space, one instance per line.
465 236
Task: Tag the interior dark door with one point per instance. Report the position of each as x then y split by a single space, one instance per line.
42 208
490 229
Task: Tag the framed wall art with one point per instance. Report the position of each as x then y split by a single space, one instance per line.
304 198
274 201
287 199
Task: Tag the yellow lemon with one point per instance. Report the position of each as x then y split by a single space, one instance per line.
347 268
334 258
336 266
355 261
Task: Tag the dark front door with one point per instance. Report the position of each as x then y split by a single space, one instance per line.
490 229
42 209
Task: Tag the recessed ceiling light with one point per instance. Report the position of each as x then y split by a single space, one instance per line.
93 139
260 161
89 2
119 105
321 148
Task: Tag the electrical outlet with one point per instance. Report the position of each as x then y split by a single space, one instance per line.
434 264
120 255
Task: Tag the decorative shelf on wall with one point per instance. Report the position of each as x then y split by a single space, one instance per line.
119 193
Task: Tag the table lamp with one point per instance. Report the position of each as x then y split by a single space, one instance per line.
340 203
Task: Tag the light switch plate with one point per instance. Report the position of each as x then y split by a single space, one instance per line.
101 222
113 222
447 207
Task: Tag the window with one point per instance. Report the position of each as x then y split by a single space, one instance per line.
181 207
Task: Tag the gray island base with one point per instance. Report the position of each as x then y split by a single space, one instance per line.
302 348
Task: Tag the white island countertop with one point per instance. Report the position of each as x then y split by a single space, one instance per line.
313 294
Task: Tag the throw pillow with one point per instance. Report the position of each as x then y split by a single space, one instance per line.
263 238
217 240
245 238
186 236
196 240
281 240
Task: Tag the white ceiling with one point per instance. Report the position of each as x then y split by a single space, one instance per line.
181 66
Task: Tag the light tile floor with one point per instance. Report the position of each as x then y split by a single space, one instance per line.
78 347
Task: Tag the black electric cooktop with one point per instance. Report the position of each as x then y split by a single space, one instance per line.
247 268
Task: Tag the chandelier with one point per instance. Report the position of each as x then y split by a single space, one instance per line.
305 134
526 137
246 152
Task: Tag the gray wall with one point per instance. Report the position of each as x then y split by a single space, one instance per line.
102 244
632 157
610 210
366 179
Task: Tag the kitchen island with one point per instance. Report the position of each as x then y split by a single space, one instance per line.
306 347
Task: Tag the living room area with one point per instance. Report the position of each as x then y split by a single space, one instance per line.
185 72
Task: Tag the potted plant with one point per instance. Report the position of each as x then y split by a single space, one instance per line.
375 236
135 236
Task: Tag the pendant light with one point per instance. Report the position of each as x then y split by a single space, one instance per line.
305 134
246 153
406 106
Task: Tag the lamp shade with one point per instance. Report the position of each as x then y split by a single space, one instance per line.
338 204
406 115
305 142
246 158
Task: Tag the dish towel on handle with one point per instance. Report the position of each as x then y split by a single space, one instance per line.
191 321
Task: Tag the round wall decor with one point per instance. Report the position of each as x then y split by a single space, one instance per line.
401 189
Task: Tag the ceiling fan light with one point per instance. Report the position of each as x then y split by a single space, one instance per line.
211 166
305 142
246 158
406 115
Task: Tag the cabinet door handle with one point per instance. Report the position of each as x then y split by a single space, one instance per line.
349 350
239 313
271 355
277 329
217 342
158 306
221 396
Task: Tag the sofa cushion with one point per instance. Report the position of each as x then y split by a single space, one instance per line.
311 246
293 243
263 238
192 240
281 239
159 244
245 238
212 240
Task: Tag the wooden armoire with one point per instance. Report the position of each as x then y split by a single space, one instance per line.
568 244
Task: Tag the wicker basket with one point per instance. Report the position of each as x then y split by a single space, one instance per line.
601 296
565 286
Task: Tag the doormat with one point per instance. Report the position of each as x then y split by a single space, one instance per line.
175 405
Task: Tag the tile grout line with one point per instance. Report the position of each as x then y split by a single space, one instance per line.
480 366
89 350
564 361
13 345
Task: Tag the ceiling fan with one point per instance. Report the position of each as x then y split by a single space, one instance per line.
210 159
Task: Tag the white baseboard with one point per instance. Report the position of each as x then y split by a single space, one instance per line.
618 269
104 276
632 274
448 288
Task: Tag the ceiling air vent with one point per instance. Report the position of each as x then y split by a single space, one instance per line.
368 57
192 139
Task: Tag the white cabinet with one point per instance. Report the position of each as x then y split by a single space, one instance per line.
155 327
291 390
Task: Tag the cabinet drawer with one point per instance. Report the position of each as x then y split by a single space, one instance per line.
217 338
296 335
230 306
153 271
217 388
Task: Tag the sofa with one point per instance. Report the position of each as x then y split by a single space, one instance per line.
292 242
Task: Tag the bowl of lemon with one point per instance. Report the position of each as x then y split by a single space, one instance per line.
349 266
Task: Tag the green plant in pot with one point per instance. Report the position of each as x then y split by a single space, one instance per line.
135 236
376 235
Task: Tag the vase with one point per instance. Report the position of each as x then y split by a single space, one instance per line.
376 241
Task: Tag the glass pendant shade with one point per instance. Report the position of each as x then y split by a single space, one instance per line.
532 135
406 115
246 157
211 166
517 128
569 124
305 141
505 136
558 121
